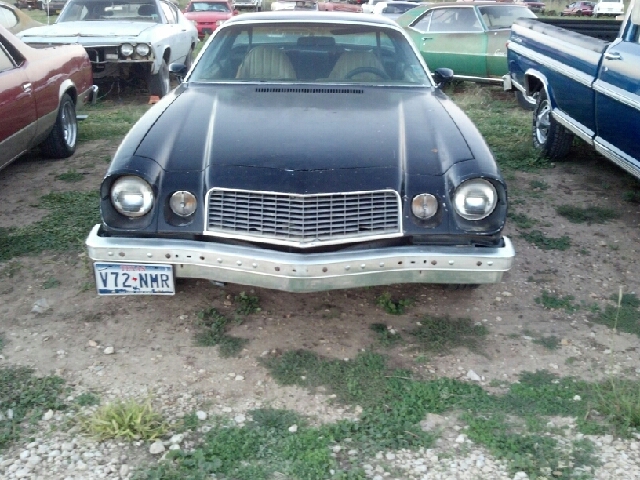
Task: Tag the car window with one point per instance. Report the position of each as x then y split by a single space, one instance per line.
8 19
310 53
457 19
5 61
169 12
498 17
208 7
112 10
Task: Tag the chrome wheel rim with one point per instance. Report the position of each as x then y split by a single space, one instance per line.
543 121
69 125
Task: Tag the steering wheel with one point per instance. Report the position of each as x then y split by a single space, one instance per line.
376 71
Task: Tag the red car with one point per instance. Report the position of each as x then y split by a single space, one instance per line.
39 92
578 9
209 14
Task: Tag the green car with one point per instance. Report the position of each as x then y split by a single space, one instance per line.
468 37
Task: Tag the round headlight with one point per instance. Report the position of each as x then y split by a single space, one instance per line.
424 206
183 203
132 196
475 199
126 49
142 49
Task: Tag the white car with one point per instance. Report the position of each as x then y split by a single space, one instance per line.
125 39
308 5
611 8
369 6
255 5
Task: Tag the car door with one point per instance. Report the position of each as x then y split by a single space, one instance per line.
452 37
178 33
497 20
617 96
18 118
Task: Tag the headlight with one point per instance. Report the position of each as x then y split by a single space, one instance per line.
475 199
126 49
183 203
424 206
131 196
142 49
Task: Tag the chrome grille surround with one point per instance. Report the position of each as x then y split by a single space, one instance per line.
303 221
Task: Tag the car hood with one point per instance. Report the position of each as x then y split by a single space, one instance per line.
94 30
290 128
207 16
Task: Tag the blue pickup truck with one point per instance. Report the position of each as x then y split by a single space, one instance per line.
580 85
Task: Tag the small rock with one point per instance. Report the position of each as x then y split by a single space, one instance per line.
473 376
293 428
109 351
432 422
239 418
174 446
239 378
577 398
48 415
40 306
156 448
202 416
178 438
461 438
124 470
92 343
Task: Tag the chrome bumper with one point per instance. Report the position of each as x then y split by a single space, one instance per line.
309 272
89 96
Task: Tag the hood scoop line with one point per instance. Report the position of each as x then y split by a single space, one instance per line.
309 90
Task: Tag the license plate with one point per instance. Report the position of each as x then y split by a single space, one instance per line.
133 279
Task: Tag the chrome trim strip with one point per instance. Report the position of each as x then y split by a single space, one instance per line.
617 94
276 241
312 272
485 80
618 157
555 65
575 127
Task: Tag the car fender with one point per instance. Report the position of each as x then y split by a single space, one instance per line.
68 86
159 52
534 81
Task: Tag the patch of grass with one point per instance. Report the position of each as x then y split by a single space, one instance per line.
588 215
2 342
391 306
550 343
631 196
555 302
130 420
624 316
87 399
106 120
213 332
619 403
70 176
385 335
521 220
543 242
71 215
247 304
24 395
444 333
51 282
12 268
187 423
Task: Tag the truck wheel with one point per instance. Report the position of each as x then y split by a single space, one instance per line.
578 13
61 141
528 103
159 84
551 138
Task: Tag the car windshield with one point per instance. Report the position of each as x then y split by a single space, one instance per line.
503 16
115 10
208 7
398 8
310 52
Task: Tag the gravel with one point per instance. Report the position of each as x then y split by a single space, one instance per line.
62 453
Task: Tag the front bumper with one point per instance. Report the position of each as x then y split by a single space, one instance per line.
311 272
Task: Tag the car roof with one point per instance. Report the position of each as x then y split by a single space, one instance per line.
312 17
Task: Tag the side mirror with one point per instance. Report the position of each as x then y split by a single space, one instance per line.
179 70
442 76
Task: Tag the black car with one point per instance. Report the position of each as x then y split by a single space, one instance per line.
302 152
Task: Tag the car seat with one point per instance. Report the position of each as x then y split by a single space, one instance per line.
351 60
266 63
147 10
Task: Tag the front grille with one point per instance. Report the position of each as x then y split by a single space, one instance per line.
304 220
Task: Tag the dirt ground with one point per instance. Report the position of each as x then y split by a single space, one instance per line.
153 336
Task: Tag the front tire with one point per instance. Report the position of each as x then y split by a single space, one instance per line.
61 141
159 84
549 137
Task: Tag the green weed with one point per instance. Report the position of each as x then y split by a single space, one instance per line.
550 343
87 399
587 214
539 185
213 332
70 176
385 334
547 243
521 220
624 316
393 307
71 215
130 420
51 282
444 333
631 196
247 304
555 302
